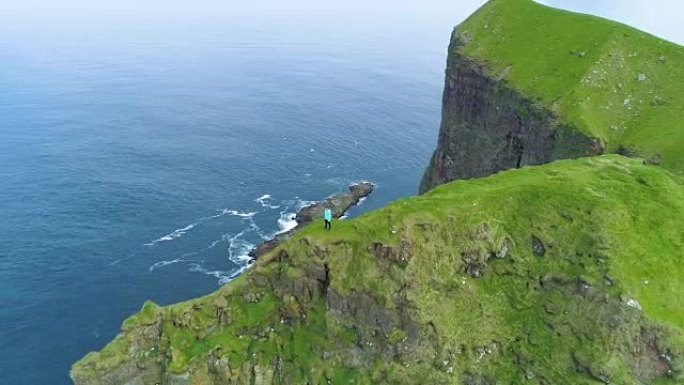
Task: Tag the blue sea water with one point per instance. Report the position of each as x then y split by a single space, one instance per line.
142 159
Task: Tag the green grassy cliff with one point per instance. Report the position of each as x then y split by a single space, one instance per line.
568 273
527 84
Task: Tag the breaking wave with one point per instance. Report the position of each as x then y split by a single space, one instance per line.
175 234
266 201
180 232
286 222
164 263
236 213
234 246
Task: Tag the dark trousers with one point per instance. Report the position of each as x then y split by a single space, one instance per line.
328 225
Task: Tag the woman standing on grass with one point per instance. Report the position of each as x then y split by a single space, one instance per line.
327 215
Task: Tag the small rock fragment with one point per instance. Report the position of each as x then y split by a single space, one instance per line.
633 303
503 250
538 247
653 160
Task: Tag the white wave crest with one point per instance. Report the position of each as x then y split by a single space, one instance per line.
222 276
182 258
239 252
213 244
235 274
301 203
180 232
175 234
239 247
265 202
286 222
236 213
164 263
222 212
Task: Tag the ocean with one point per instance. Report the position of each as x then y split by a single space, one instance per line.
143 159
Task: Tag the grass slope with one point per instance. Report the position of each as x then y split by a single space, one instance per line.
609 80
564 273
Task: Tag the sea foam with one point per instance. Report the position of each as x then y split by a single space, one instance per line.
265 202
180 232
175 234
286 222
164 263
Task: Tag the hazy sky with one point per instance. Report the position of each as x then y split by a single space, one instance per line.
660 17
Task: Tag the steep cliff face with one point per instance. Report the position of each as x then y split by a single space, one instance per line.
527 84
523 276
487 126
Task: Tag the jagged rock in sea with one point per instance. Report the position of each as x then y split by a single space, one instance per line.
338 204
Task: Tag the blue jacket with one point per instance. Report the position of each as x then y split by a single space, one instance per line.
328 215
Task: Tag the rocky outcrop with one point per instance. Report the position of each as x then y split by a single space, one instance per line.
338 204
488 126
129 373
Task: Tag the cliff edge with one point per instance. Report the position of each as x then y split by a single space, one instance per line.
567 273
527 84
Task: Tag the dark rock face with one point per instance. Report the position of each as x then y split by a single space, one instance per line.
488 127
339 204
128 373
475 379
475 262
538 248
